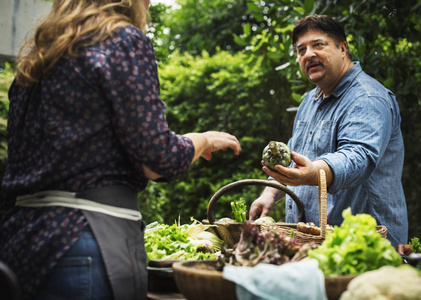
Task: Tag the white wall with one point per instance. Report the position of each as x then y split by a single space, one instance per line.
17 18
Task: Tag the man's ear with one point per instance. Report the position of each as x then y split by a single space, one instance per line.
344 46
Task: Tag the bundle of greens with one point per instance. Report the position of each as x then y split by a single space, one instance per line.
355 247
415 245
239 213
239 210
181 242
268 246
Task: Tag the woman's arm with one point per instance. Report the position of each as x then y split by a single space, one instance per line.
204 144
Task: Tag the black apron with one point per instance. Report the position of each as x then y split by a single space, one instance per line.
121 242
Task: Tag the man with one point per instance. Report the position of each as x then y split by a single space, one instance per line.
349 126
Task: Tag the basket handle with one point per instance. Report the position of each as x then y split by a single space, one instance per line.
322 202
245 182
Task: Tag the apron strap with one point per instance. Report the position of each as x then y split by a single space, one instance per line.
117 201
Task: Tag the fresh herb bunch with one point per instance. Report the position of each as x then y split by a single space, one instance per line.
268 246
415 245
355 247
239 210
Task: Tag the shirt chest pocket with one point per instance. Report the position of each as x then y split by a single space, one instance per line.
322 137
299 137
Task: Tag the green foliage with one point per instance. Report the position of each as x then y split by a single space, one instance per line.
6 78
239 210
205 24
221 92
354 248
176 242
157 29
415 245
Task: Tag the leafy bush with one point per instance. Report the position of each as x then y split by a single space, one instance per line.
6 78
221 92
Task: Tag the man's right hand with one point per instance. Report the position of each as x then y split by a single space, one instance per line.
263 205
404 249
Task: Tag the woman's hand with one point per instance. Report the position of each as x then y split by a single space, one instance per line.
207 142
220 141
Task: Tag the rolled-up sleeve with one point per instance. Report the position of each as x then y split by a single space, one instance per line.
363 135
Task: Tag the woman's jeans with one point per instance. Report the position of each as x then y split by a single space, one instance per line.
80 274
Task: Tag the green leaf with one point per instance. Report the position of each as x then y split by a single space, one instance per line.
415 245
308 6
247 29
253 7
297 97
239 40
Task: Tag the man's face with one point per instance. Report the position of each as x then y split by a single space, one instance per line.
320 59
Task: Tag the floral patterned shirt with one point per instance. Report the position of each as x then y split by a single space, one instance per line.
91 122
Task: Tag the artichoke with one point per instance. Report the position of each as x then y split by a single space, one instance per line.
276 153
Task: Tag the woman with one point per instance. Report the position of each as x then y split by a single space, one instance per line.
86 132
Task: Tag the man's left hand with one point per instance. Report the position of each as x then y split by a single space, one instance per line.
304 171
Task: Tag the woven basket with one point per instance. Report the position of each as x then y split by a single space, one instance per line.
230 232
317 239
306 237
200 280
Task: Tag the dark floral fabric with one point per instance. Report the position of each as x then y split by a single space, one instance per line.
92 121
33 239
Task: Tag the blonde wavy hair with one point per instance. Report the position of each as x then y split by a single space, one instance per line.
72 24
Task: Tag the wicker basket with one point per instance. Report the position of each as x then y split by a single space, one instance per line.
336 285
306 237
199 280
230 232
317 239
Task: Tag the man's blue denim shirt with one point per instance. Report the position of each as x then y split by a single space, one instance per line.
356 130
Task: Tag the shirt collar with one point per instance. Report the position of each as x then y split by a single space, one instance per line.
343 84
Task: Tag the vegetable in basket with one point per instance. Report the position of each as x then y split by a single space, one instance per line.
268 246
181 242
264 220
415 245
355 247
239 210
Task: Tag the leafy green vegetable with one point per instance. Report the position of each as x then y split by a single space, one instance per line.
268 246
181 242
355 247
415 245
239 210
